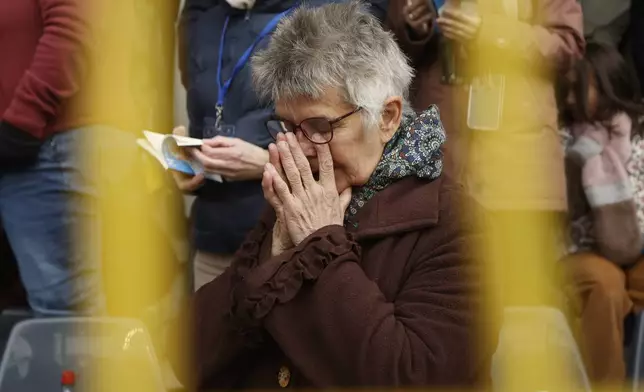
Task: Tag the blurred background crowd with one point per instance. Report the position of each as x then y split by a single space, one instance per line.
540 102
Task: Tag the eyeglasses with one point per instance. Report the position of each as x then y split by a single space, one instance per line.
318 130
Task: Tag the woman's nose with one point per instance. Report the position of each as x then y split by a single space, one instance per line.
307 146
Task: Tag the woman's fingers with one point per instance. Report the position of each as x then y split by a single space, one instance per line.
301 162
279 186
269 192
325 162
345 199
290 168
274 159
273 154
281 137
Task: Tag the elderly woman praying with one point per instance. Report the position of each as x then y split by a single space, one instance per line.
359 275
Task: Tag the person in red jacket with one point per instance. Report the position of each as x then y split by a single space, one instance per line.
42 185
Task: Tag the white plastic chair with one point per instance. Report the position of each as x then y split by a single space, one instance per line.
108 354
536 331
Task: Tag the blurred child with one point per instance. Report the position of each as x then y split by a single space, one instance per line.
605 176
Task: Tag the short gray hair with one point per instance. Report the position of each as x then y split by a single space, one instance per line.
333 46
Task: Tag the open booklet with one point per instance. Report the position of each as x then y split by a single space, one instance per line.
169 151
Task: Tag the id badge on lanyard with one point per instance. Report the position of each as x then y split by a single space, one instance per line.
220 127
487 93
485 103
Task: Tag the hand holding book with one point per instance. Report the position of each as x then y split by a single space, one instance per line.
194 160
233 158
186 182
175 152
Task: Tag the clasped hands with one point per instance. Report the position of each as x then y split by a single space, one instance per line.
302 204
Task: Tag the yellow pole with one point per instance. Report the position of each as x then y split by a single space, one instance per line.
518 248
130 88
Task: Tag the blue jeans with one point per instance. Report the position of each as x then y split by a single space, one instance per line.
43 210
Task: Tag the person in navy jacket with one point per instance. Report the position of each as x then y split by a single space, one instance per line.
216 40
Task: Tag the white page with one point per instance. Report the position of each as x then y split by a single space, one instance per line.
154 145
184 141
156 140
148 147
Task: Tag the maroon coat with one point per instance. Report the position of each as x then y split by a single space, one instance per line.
390 302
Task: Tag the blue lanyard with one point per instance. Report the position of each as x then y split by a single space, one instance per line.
241 63
438 4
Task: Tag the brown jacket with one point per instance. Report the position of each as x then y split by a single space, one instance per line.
390 302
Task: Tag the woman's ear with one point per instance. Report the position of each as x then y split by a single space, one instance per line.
391 117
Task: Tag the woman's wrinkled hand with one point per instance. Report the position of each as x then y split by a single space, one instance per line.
459 25
305 204
281 238
233 158
418 15
185 182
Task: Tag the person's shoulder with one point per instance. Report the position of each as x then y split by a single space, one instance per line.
457 214
447 185
417 204
451 197
412 206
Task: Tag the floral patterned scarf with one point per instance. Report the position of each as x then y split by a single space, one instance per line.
413 151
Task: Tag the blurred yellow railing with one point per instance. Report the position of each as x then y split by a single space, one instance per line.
131 89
